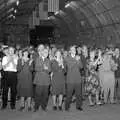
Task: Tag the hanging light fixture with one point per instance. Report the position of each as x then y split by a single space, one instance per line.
15 11
11 16
14 17
67 5
17 3
57 12
10 10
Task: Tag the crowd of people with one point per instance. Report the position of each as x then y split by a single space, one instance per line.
77 73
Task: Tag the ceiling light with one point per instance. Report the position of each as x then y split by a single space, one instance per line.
56 12
15 11
13 16
10 10
67 5
17 3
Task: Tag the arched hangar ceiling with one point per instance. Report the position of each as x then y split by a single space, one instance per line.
101 18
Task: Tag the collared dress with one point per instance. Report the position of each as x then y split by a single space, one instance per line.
25 83
58 78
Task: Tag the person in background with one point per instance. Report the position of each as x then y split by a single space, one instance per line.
58 80
25 83
42 80
117 74
9 64
0 79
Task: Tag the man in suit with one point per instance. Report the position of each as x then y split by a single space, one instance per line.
42 80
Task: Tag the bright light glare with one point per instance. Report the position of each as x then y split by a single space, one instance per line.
11 10
67 5
11 15
17 3
56 12
15 11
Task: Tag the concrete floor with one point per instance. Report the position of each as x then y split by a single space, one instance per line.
106 112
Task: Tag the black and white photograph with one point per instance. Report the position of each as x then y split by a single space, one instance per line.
59 59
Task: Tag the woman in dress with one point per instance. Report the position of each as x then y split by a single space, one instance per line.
58 80
25 86
107 76
92 82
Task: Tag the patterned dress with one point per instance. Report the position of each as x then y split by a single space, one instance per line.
92 82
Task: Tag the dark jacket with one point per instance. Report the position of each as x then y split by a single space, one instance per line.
73 70
42 76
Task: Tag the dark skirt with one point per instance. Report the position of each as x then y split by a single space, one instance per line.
24 91
25 85
58 89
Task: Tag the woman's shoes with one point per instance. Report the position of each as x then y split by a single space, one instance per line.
60 108
54 108
29 109
91 104
22 108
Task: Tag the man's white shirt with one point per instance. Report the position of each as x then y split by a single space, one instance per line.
10 67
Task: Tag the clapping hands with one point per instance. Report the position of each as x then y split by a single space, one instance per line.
45 67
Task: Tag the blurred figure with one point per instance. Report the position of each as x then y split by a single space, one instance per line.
117 74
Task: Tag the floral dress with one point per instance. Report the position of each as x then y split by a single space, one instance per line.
92 82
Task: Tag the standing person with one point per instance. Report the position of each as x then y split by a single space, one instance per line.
5 53
25 86
9 64
83 57
107 77
74 82
42 80
0 79
92 81
117 74
58 80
